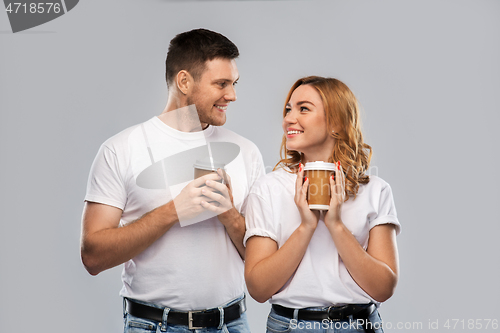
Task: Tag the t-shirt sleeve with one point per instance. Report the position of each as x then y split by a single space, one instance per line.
257 171
386 213
105 184
259 218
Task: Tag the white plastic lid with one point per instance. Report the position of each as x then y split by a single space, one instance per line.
207 163
319 165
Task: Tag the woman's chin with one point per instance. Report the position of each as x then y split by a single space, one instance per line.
292 148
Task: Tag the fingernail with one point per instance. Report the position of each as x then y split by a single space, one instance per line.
300 166
305 180
332 177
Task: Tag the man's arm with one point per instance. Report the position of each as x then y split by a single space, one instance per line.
223 206
228 215
234 223
105 245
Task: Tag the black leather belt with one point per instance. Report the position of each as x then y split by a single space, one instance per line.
331 313
192 319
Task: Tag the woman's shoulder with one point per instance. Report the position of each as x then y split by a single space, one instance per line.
273 180
276 175
377 181
375 185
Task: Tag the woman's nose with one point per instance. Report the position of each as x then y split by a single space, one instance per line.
290 118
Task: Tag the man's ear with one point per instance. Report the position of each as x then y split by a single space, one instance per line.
184 81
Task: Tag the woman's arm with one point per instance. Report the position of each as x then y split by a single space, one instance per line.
374 270
268 268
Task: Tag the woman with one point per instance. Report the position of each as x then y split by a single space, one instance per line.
328 269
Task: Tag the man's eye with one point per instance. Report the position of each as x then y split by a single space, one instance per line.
235 83
222 84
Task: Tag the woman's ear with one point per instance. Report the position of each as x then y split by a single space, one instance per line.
184 81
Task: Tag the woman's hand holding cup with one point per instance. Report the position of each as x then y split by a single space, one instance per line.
309 218
337 186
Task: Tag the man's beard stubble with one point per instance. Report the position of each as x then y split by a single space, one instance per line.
207 116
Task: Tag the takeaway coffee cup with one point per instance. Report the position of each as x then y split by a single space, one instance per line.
318 193
205 166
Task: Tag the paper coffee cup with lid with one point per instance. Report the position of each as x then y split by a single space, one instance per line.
207 165
319 191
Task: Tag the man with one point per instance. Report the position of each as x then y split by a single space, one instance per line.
180 239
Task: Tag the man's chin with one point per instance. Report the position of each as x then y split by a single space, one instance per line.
217 121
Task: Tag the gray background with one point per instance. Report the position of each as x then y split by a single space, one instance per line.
427 74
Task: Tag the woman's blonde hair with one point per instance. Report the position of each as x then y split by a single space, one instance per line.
342 117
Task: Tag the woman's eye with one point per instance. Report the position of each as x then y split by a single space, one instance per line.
287 110
303 108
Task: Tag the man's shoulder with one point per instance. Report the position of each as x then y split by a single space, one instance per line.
121 138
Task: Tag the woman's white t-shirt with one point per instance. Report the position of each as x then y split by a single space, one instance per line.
321 278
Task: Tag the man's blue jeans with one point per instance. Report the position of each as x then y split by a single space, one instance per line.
280 324
140 325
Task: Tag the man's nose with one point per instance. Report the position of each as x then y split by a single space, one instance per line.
231 94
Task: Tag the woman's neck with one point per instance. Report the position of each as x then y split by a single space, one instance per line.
318 156
322 152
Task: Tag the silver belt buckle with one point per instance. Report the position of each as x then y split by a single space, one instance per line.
328 311
190 320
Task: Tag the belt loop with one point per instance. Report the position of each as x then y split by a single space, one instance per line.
296 314
124 307
352 320
221 319
243 304
163 324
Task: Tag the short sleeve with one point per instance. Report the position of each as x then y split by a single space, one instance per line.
259 218
386 213
257 171
105 184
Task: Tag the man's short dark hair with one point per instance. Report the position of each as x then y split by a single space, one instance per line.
192 49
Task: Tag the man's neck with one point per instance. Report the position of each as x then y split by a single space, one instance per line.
182 118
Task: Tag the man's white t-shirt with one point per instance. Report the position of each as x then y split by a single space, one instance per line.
321 278
191 267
